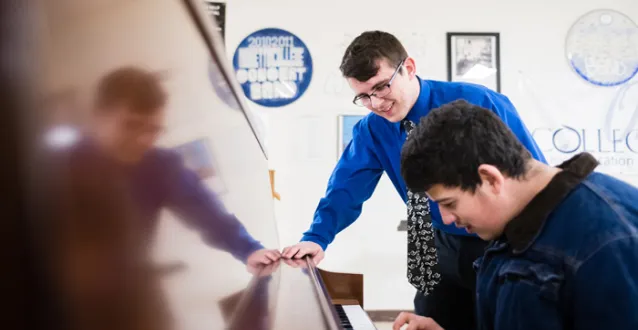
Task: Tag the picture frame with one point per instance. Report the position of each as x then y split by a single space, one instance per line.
345 125
197 157
474 57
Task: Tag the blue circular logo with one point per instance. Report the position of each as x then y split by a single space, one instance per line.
273 67
602 48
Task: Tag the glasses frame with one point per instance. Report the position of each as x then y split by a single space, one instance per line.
365 99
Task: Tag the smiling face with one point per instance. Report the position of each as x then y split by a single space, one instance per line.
484 212
390 102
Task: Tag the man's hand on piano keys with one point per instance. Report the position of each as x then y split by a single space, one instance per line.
414 322
262 257
302 249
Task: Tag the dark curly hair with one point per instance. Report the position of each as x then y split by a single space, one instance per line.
452 141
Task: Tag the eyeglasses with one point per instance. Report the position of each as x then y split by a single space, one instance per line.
364 100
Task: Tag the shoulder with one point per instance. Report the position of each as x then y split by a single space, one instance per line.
444 91
597 212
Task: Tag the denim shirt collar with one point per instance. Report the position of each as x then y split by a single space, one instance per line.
521 232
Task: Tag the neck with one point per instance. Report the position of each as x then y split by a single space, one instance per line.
415 89
535 180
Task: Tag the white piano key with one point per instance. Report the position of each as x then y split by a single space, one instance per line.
358 318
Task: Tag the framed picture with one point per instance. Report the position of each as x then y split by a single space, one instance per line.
475 58
198 158
345 125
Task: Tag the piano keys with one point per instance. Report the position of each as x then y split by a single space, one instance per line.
354 317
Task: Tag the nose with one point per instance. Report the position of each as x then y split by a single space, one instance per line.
447 217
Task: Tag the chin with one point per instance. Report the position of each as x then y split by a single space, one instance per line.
486 237
394 117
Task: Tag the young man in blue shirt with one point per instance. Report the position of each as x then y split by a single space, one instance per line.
383 78
564 250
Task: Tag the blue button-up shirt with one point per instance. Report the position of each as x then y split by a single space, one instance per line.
569 260
376 147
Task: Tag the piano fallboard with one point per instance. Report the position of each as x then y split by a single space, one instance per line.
292 294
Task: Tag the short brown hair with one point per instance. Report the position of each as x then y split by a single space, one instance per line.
360 58
135 88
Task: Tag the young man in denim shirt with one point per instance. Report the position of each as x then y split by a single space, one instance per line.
564 240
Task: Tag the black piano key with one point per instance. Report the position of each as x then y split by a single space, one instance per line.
343 318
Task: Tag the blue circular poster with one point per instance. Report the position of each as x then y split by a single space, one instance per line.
602 47
273 67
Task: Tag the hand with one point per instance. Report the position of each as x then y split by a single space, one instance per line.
415 322
267 270
302 249
260 258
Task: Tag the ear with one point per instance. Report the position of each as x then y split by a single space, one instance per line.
410 67
491 178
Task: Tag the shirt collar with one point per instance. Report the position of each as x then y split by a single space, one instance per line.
422 105
521 232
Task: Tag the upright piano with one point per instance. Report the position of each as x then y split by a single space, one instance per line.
209 117
295 294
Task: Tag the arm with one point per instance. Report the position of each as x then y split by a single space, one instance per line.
606 288
502 106
203 211
352 182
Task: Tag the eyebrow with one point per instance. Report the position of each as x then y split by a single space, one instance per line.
446 199
381 83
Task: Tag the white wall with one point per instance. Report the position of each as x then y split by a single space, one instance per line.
303 136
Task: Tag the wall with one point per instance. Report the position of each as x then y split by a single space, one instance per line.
302 137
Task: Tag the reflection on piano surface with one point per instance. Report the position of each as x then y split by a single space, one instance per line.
294 294
203 287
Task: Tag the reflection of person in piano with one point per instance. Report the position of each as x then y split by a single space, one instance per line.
564 250
128 116
384 80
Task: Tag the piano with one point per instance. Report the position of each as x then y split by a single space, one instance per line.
220 137
295 294
334 300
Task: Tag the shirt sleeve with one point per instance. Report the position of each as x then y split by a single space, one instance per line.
502 106
606 288
352 182
202 210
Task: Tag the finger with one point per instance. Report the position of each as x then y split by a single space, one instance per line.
400 321
414 325
272 255
291 263
291 252
285 250
303 252
301 263
264 260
